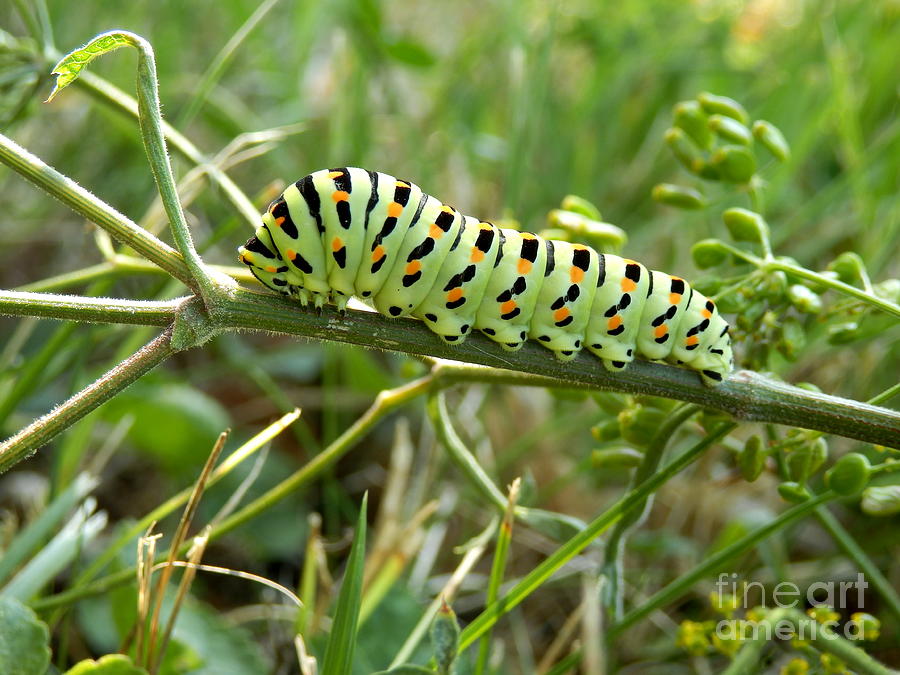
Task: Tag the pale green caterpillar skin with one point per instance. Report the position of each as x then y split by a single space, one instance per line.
347 232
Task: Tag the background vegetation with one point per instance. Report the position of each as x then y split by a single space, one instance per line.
502 110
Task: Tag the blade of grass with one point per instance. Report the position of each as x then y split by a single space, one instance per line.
338 659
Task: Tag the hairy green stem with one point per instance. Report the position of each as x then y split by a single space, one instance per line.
96 210
43 429
81 308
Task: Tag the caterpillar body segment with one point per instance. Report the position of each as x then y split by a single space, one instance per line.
347 232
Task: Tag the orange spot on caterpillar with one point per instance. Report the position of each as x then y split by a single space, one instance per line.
435 232
447 209
337 244
279 221
335 174
486 226
401 184
614 322
477 255
394 210
705 313
527 235
561 314
692 340
413 267
674 298
290 253
244 260
507 307
628 285
454 295
576 274
270 269
339 196
661 330
524 266
378 253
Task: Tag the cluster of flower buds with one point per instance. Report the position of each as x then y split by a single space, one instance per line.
713 138
579 220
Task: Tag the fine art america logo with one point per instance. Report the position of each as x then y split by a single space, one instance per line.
834 595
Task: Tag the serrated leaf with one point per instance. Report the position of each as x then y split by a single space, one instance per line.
23 640
342 640
111 664
70 66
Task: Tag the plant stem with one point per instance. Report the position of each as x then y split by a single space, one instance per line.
43 429
745 395
80 308
96 210
823 638
536 578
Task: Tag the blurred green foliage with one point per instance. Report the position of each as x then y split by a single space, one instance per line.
501 109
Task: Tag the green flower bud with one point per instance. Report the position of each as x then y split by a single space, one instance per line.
580 205
849 266
752 458
733 303
849 475
555 233
844 333
605 235
883 500
734 163
606 431
793 338
730 130
709 253
793 492
775 285
445 638
722 105
704 169
689 117
639 424
682 147
867 626
804 299
692 638
678 196
771 139
615 458
745 225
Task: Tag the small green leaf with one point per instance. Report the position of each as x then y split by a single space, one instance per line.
730 129
24 640
70 66
722 105
111 664
769 136
338 658
678 196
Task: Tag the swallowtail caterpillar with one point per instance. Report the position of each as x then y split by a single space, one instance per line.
347 232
